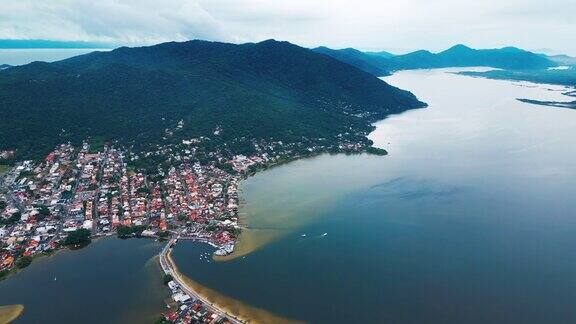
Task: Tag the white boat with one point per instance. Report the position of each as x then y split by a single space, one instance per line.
324 234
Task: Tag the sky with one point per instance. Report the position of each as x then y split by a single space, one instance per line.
395 25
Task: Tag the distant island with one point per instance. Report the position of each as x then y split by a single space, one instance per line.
566 76
559 104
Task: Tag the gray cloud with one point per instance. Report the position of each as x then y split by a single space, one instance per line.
399 25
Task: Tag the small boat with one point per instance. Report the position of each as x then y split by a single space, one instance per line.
54 278
303 235
324 234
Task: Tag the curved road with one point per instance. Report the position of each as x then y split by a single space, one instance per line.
168 267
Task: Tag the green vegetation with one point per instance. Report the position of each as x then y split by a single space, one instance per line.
143 190
163 236
11 220
43 212
23 262
97 144
138 96
167 278
78 238
4 274
457 56
128 231
162 320
4 168
376 151
374 64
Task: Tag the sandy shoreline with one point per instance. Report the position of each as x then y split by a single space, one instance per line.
10 313
239 310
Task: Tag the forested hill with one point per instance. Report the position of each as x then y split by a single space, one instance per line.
375 64
137 95
457 56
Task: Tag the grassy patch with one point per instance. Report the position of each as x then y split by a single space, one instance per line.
4 168
97 144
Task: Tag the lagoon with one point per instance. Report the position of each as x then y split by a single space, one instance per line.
109 281
470 218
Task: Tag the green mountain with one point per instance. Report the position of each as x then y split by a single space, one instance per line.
374 64
383 54
415 60
139 95
511 58
457 56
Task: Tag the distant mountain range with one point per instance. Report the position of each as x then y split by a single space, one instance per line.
375 64
382 63
562 59
41 43
136 95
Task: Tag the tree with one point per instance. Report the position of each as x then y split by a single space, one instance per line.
14 218
23 262
143 190
167 278
78 238
163 236
376 151
4 274
126 231
43 212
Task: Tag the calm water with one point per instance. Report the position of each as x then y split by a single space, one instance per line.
471 218
25 56
110 281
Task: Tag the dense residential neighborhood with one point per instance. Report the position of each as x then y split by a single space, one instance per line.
77 193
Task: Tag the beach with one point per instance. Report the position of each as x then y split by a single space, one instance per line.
236 311
10 313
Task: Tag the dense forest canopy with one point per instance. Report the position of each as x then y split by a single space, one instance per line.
172 91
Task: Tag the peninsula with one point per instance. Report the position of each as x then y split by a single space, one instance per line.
153 141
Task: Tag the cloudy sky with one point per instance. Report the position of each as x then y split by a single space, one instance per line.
395 25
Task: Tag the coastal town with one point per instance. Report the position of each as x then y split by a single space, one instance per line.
78 193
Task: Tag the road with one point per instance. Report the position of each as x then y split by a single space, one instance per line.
168 267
